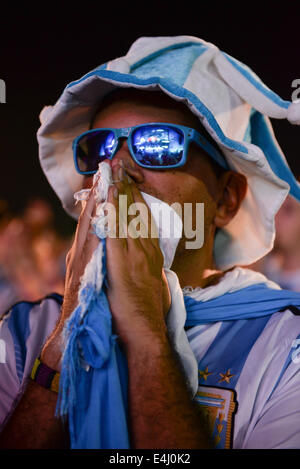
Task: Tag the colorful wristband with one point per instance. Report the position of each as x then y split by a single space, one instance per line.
45 376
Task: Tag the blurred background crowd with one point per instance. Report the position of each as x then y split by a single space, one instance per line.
33 252
282 264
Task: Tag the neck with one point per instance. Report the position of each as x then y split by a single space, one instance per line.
196 267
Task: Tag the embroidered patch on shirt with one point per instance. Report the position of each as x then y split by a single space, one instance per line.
219 406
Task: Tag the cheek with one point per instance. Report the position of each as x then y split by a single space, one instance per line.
183 189
161 185
87 182
178 187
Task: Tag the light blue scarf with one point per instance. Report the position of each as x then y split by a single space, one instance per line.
93 380
93 384
254 301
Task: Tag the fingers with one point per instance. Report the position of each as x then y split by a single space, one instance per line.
116 232
133 213
135 224
145 215
84 221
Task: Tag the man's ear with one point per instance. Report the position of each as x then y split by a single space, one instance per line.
232 190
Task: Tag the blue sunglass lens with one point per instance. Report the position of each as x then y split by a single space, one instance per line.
158 145
93 148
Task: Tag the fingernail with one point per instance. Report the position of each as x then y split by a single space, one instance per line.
115 193
129 179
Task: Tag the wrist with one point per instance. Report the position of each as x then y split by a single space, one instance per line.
45 376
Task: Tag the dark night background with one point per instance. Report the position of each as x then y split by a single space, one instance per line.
43 49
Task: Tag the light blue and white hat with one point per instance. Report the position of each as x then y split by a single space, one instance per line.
231 102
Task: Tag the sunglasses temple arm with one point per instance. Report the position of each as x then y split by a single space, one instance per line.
209 149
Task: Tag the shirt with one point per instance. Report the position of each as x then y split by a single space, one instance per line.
249 372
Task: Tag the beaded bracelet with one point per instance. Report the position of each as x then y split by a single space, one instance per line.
45 376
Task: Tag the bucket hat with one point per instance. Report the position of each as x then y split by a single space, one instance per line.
231 102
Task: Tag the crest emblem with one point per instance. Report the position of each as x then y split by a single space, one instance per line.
219 406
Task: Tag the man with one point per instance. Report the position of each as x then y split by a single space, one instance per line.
240 402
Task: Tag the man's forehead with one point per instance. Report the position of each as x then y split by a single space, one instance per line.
137 95
132 98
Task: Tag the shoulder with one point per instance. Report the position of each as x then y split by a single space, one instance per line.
25 327
19 313
22 317
284 324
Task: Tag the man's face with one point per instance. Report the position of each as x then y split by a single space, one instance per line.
194 182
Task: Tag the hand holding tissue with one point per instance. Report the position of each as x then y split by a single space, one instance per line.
123 282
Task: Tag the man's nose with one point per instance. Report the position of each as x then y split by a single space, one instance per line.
123 158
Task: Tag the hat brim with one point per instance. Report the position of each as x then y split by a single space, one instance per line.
248 236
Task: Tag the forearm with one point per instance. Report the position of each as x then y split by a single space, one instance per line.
162 413
33 424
